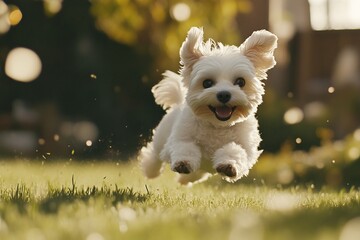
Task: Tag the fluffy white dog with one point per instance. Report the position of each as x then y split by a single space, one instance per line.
210 123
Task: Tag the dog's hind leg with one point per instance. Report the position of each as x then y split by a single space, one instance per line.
150 163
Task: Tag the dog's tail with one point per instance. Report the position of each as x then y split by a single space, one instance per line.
170 91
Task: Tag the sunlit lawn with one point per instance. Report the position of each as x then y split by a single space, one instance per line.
110 200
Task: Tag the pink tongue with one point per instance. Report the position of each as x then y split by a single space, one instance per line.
223 112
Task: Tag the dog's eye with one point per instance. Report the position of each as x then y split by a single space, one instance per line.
240 81
208 83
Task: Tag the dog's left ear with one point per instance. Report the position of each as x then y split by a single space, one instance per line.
259 49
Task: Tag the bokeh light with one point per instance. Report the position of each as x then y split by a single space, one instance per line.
15 15
351 230
282 202
4 18
23 65
293 115
41 141
83 131
331 89
357 134
353 153
181 12
56 137
52 6
95 236
314 110
285 175
248 225
89 143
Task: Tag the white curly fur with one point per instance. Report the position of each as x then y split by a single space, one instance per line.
199 133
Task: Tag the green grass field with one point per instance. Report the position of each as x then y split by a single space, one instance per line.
109 200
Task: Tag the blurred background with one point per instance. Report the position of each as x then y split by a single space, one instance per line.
75 78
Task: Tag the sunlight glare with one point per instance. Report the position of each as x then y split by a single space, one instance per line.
334 14
23 65
318 14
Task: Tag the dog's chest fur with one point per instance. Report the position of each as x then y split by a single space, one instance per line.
209 138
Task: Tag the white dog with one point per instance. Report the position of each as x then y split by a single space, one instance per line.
210 123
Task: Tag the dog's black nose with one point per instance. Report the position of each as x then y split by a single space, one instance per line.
223 96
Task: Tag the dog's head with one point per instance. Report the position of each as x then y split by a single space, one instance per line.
224 82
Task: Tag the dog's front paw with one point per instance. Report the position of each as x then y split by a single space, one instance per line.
182 167
226 169
231 171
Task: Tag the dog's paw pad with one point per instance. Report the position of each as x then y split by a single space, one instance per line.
182 167
227 170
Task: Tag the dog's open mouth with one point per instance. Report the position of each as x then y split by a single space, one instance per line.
223 113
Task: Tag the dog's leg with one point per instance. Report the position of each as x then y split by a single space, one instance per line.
231 161
150 162
184 157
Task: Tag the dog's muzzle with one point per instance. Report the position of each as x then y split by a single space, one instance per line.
224 112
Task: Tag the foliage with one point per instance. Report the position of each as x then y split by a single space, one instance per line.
113 201
159 26
333 164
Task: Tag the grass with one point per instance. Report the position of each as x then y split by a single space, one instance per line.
110 200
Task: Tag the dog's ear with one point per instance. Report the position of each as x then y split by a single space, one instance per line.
259 49
190 51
